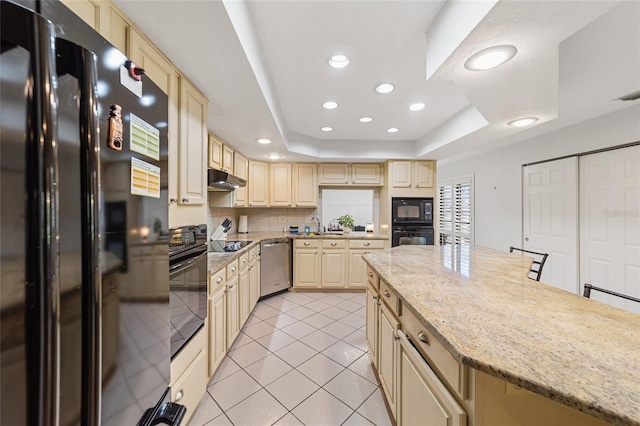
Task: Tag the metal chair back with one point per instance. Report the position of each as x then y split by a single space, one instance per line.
538 262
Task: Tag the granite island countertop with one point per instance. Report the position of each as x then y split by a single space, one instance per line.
480 305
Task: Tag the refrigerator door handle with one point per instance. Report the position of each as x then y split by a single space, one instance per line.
22 27
81 63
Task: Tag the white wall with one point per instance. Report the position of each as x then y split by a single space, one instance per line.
498 174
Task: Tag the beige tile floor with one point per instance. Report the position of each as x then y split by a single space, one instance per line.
301 359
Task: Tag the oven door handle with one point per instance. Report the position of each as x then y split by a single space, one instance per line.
185 265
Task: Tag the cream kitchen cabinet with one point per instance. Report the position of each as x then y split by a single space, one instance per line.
334 174
369 174
105 18
280 185
371 330
345 174
240 169
215 152
388 351
244 290
335 263
233 310
217 319
357 267
306 263
305 185
258 184
422 397
192 154
254 276
227 159
143 279
412 174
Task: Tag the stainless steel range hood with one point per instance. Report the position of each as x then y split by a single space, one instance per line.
217 180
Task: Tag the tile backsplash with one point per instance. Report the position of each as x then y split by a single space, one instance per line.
273 219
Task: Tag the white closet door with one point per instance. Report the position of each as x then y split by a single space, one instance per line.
610 224
550 219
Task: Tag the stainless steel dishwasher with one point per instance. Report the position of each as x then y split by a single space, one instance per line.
275 266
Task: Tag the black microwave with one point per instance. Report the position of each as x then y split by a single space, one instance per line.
412 211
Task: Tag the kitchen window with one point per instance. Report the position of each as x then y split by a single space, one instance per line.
455 199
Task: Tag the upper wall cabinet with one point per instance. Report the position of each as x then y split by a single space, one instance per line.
220 155
193 136
344 174
305 185
334 174
240 169
280 185
258 184
412 174
105 18
366 174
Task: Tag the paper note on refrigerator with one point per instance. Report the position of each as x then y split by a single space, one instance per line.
145 179
145 139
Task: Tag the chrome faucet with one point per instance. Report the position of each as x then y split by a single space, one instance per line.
319 226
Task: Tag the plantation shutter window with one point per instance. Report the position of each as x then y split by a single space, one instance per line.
456 221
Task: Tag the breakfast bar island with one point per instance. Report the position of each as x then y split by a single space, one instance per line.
460 335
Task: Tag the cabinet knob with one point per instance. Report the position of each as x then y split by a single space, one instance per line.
289 204
370 274
244 260
386 293
219 280
233 269
334 244
185 200
367 244
307 243
179 395
231 286
173 200
375 297
422 336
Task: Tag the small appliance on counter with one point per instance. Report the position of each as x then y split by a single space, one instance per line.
220 232
242 224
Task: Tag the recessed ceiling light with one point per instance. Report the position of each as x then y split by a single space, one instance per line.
365 119
274 156
416 107
264 141
385 88
338 61
490 58
392 129
330 105
326 129
523 122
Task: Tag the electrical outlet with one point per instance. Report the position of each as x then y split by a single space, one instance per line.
282 219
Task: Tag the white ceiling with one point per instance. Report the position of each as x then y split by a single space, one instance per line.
263 66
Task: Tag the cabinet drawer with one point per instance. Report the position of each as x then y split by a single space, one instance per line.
362 244
438 357
190 387
216 280
372 278
232 269
306 243
243 260
334 244
161 249
389 297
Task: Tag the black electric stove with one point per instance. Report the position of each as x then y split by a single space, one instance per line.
219 246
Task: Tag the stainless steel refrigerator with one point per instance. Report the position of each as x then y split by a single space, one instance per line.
84 277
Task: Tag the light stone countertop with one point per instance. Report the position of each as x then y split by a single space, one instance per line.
480 305
217 260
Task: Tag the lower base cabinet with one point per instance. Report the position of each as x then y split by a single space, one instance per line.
243 294
422 397
388 351
217 318
254 284
233 311
371 333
